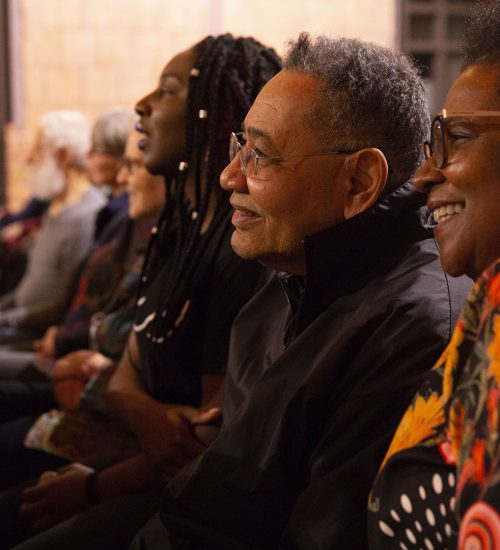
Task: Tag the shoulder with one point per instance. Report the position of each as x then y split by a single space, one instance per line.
92 200
418 284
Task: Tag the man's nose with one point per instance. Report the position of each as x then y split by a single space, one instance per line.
232 178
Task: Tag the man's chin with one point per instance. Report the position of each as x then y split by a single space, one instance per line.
243 251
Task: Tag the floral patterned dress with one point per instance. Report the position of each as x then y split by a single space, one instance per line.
439 484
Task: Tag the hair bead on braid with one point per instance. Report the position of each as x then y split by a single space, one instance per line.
227 76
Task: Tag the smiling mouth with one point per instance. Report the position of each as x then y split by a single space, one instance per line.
245 212
242 217
444 213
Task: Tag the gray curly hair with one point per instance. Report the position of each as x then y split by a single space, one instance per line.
111 130
372 97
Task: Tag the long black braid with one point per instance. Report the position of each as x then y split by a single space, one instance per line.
227 77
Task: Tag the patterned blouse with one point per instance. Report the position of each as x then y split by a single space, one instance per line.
439 484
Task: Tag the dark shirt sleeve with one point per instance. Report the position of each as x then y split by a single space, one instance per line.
35 208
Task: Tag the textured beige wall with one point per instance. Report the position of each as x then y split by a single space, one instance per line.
91 54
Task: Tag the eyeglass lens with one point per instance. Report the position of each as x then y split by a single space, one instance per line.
248 157
234 147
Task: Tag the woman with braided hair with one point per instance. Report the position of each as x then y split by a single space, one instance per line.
167 386
196 293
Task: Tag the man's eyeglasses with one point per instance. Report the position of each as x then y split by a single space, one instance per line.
251 161
438 147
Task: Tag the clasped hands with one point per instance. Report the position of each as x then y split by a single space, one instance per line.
169 435
172 435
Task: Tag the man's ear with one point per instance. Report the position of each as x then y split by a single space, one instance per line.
368 175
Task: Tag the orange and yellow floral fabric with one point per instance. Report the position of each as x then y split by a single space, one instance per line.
439 484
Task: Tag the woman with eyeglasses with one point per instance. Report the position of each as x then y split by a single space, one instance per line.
439 484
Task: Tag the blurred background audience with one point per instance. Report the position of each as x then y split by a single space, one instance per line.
59 160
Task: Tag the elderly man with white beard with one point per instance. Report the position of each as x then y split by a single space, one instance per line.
59 159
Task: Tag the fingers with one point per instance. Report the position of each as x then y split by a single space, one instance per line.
35 492
31 494
30 509
71 363
98 361
61 368
67 468
33 497
211 416
75 467
47 477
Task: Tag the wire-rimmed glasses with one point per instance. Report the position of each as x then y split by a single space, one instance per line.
251 161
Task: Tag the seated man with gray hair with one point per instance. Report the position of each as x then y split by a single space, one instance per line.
59 160
324 360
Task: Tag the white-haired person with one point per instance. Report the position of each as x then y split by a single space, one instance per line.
59 160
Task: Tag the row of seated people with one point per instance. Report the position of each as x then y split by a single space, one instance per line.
264 424
45 244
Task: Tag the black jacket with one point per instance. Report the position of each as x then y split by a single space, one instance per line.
319 376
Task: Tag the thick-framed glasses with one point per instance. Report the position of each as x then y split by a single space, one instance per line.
251 161
438 147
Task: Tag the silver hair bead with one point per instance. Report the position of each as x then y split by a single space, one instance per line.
195 72
203 113
183 166
194 215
